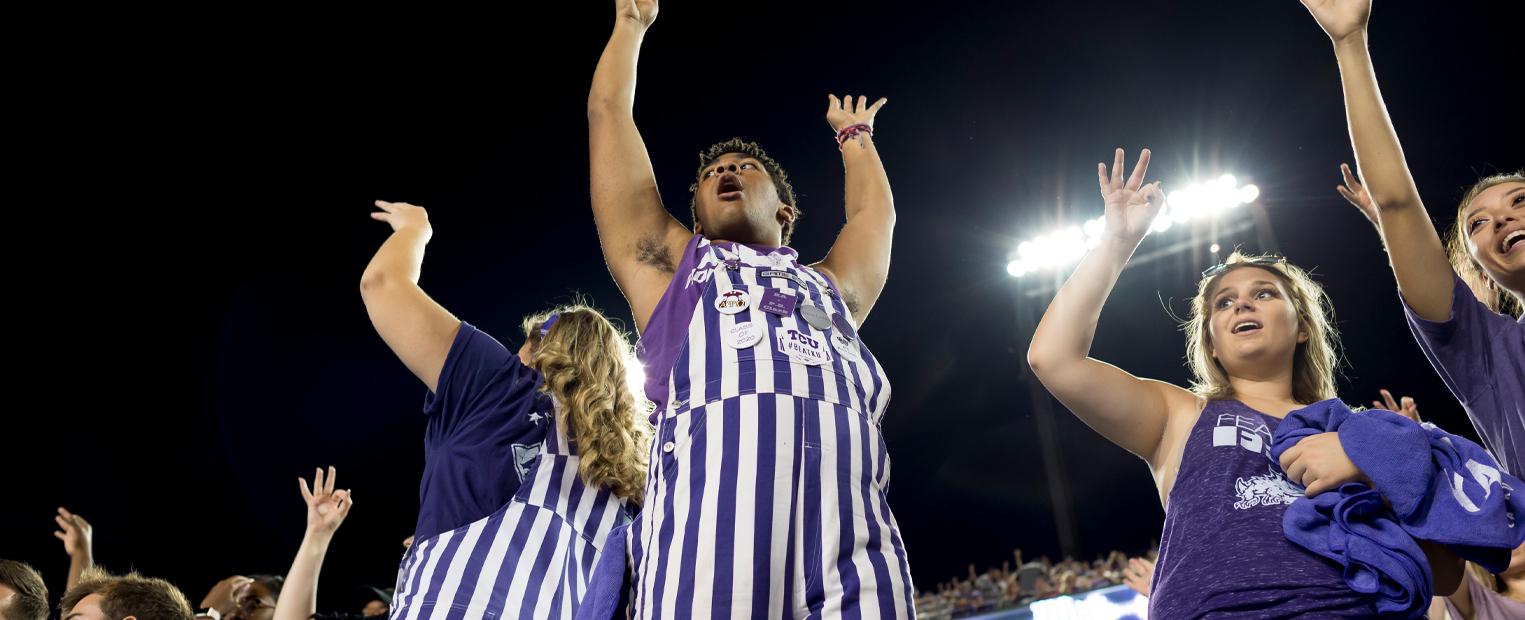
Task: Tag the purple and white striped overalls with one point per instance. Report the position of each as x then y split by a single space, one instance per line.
529 559
766 495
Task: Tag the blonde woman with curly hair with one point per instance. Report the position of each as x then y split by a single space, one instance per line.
531 459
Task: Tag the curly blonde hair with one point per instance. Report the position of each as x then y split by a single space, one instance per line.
1313 364
584 360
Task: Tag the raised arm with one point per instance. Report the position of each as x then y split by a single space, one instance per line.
77 534
1418 258
326 510
640 239
1129 411
417 329
859 260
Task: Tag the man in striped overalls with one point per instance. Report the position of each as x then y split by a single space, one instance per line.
766 495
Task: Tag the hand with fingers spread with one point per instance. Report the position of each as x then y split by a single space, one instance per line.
859 260
1340 19
1130 205
403 216
1318 463
1356 194
1138 574
326 507
1405 406
637 12
76 533
843 113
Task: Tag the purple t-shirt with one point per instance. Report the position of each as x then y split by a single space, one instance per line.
1222 551
483 431
1480 356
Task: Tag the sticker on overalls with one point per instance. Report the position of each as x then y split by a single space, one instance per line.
779 261
774 301
845 345
744 335
778 273
802 348
732 301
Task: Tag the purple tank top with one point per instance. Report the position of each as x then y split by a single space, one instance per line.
1222 552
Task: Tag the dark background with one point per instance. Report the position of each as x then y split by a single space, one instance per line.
190 228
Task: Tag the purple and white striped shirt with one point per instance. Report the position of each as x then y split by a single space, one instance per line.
506 525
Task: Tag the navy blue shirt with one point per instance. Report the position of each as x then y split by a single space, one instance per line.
487 419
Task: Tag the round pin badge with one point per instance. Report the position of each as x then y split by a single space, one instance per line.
732 301
844 325
744 335
815 316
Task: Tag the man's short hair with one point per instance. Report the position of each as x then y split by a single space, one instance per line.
129 595
31 602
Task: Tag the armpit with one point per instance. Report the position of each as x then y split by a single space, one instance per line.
651 251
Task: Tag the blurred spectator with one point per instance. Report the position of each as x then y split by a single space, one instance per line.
1032 580
102 596
23 595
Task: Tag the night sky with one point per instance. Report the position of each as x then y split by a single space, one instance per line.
187 314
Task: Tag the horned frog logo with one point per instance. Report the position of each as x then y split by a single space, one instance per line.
1267 490
524 458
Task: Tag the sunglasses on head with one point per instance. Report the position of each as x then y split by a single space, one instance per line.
1254 261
